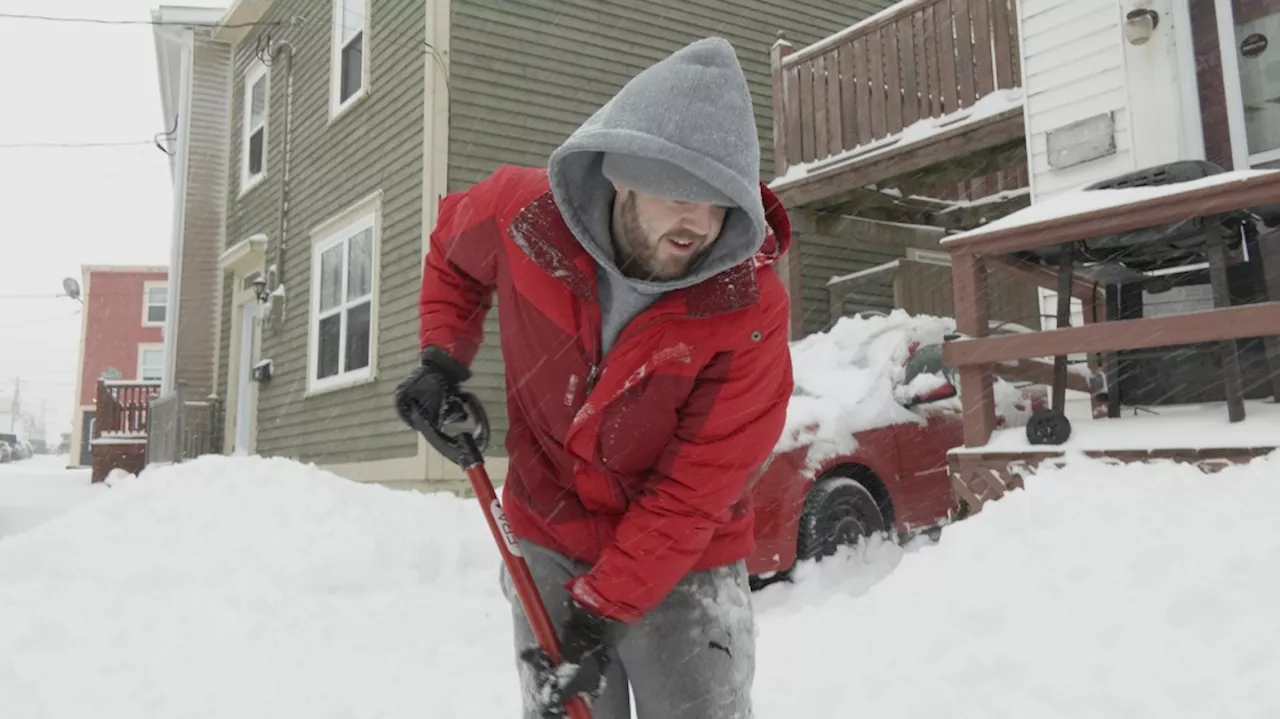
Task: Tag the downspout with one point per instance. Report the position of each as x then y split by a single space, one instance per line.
277 291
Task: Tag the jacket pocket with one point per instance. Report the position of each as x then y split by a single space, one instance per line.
599 491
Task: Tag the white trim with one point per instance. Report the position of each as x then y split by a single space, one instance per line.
1264 157
250 248
147 286
337 106
181 164
231 405
257 70
1192 118
435 159
143 348
929 257
1231 83
366 214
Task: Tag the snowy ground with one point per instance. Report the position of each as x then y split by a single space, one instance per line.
33 491
245 587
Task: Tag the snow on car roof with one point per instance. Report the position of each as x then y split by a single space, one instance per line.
848 381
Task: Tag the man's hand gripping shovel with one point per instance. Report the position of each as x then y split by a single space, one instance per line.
466 449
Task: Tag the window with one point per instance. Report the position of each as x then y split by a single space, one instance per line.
253 163
155 303
151 363
349 60
343 312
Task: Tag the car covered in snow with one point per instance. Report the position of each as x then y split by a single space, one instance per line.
864 450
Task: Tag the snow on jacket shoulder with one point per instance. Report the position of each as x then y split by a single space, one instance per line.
639 463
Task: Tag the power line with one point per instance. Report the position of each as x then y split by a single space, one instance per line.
126 143
102 21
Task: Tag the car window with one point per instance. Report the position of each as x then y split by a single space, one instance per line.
926 360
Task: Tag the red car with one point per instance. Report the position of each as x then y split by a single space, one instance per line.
865 450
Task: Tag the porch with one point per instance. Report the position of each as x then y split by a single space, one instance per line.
1198 371
181 428
911 118
121 421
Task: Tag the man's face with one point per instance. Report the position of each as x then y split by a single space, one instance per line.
656 238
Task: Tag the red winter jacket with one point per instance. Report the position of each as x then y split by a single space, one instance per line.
638 463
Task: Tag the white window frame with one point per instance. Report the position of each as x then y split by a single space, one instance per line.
364 214
255 72
147 304
143 348
336 105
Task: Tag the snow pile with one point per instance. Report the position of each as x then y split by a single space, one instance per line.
248 587
850 379
1099 591
845 378
1079 201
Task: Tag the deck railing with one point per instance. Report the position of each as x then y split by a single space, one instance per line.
123 407
916 60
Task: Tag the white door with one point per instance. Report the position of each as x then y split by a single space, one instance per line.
1249 40
244 384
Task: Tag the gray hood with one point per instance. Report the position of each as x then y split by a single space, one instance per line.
691 110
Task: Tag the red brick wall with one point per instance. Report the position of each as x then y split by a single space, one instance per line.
113 326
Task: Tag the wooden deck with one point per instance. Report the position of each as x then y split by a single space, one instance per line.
921 96
991 462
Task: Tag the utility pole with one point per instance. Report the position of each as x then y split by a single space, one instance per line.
13 418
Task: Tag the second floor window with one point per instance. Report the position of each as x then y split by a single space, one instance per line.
349 60
254 152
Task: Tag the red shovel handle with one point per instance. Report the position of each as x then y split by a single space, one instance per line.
466 453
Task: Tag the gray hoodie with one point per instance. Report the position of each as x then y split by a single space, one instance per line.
689 121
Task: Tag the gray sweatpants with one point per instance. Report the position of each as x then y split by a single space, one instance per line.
691 656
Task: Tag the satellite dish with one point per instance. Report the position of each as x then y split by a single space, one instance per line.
71 288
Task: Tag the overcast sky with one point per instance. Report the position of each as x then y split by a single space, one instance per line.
62 207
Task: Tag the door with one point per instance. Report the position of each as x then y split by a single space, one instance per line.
86 436
926 476
1237 62
244 375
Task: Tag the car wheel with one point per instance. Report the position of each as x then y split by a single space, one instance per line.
838 512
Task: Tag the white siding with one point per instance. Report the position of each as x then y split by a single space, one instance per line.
1073 68
1073 55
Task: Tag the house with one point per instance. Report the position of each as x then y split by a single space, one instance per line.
1144 94
890 133
121 339
194 75
349 121
1018 100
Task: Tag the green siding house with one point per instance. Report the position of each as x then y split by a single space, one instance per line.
349 121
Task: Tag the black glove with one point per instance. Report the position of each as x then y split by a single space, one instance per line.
423 393
586 640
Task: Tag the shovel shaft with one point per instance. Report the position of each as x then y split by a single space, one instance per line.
527 591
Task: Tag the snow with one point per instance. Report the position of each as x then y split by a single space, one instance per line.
35 490
849 380
249 587
1080 201
917 132
1202 426
832 41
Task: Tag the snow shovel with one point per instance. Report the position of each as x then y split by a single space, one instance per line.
466 449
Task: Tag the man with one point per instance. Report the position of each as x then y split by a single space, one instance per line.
644 333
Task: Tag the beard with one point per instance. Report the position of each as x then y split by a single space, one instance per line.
641 258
